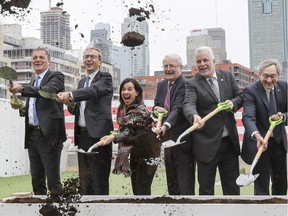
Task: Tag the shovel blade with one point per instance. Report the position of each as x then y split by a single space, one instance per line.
87 153
8 73
245 180
48 95
170 143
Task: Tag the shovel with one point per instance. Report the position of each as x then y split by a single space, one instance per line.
245 180
10 74
90 152
48 95
220 107
160 116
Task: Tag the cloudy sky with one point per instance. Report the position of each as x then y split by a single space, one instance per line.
169 25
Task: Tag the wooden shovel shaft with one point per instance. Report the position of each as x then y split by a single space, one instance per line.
266 138
205 118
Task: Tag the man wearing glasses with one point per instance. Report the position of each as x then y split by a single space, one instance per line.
265 98
93 120
179 160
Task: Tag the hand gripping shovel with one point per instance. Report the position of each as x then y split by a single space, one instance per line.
90 152
10 74
220 107
245 180
160 116
49 95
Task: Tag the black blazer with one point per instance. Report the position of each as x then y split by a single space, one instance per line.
255 115
98 96
200 99
176 118
50 112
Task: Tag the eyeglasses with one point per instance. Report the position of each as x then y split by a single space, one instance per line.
90 56
272 76
170 66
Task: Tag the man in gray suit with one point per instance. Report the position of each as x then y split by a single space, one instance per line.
93 120
216 142
257 108
179 160
44 124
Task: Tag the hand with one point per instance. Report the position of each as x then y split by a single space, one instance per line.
277 116
63 97
107 139
198 119
159 109
231 107
15 88
260 140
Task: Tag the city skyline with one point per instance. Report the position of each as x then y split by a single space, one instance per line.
169 25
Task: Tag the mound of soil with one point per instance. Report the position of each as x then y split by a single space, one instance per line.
132 39
166 200
7 6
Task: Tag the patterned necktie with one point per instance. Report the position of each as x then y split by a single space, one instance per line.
272 110
214 88
167 98
35 116
87 81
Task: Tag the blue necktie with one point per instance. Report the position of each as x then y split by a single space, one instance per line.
35 117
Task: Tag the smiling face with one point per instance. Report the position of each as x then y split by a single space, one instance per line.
128 93
92 60
269 76
40 61
171 68
205 64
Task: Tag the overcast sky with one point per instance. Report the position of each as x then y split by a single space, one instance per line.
169 25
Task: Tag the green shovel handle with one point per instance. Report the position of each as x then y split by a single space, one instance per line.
160 114
224 106
275 122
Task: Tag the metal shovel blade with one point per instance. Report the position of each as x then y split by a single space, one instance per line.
8 73
49 95
84 152
245 180
171 143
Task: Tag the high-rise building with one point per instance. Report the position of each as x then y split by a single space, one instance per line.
139 57
55 28
268 31
212 37
100 38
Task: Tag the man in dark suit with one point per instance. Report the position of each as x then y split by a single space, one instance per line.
216 142
179 160
258 99
44 124
93 120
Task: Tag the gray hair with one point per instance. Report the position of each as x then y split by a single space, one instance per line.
268 62
100 55
174 56
205 48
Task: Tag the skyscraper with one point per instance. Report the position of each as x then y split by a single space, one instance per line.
139 57
267 31
55 28
212 37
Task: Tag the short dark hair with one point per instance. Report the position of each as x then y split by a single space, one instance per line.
138 89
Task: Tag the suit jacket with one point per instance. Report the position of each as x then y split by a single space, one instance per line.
176 118
97 113
200 99
50 113
255 115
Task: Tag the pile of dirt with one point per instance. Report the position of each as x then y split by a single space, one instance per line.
167 200
13 6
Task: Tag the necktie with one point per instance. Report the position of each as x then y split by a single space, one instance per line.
35 117
87 81
271 111
214 88
82 122
167 98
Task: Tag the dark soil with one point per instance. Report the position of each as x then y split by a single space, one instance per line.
132 39
167 200
7 6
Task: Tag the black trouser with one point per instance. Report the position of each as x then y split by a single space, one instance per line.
142 174
227 162
272 163
180 171
44 162
94 170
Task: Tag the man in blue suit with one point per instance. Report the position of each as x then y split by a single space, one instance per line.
179 160
257 98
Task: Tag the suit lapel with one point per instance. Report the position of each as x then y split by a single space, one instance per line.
263 95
